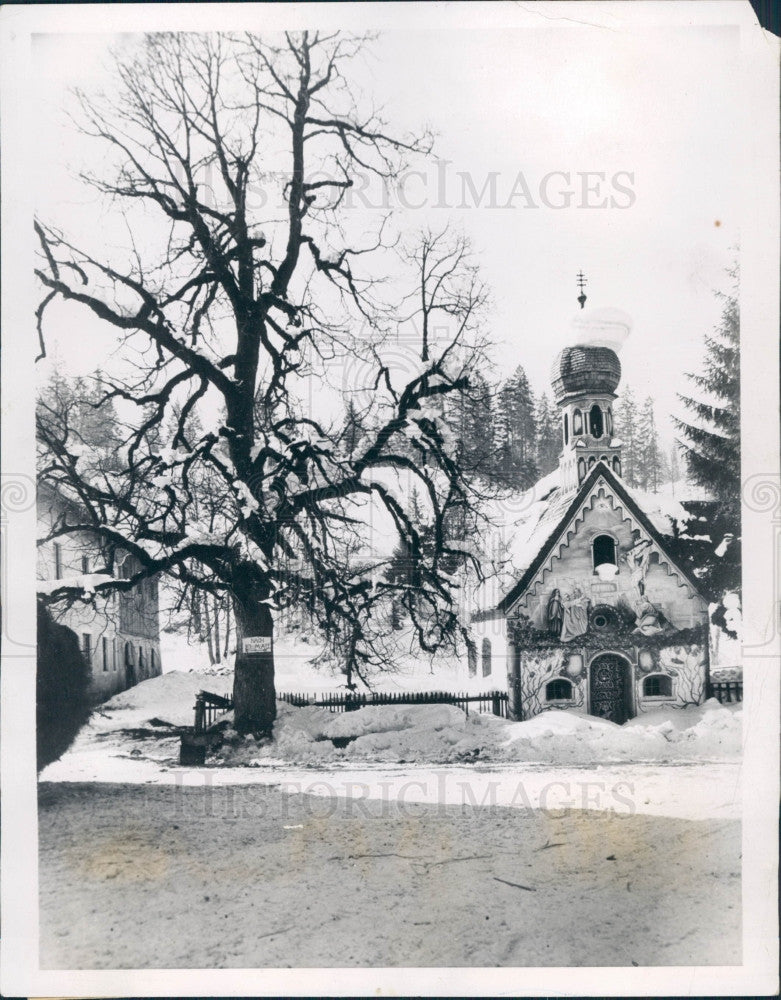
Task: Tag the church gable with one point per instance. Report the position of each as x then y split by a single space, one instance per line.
605 551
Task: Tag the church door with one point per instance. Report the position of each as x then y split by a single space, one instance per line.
610 688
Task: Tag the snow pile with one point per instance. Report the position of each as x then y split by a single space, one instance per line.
382 733
444 734
169 698
391 718
666 734
430 733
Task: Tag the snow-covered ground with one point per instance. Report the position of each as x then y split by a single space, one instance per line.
679 762
249 877
430 839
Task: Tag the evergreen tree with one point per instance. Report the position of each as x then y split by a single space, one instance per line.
516 432
710 444
472 418
670 467
352 430
711 441
83 411
626 421
674 466
548 436
648 467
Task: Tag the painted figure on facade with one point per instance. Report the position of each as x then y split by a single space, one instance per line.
649 620
555 614
575 614
637 562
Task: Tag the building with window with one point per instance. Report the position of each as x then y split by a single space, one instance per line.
591 611
118 634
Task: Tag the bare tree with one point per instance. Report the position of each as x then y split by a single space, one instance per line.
234 306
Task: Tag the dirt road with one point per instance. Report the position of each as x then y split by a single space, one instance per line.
148 876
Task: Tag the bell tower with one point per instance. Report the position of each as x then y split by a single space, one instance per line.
584 378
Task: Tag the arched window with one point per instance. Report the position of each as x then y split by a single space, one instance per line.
486 657
610 421
604 550
581 469
566 428
617 464
558 690
591 462
658 686
603 458
596 425
471 657
577 422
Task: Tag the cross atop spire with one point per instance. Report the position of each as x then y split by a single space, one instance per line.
582 282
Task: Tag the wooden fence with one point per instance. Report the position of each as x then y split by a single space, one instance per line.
726 691
346 701
208 707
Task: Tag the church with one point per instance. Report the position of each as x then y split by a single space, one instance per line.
588 609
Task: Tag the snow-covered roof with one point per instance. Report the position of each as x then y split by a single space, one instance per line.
527 522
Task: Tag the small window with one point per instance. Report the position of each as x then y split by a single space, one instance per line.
577 422
604 550
471 657
86 647
141 663
617 465
610 421
591 462
152 662
486 657
604 458
658 686
581 469
57 560
104 644
558 690
596 421
566 429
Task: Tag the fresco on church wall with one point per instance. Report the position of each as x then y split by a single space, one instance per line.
639 585
539 668
685 664
681 665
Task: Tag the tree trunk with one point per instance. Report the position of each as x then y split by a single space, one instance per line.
227 629
208 628
254 697
216 628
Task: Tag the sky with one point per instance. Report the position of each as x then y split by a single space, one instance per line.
559 148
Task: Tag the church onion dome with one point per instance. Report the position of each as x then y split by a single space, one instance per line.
585 369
